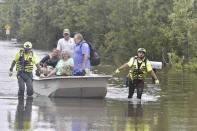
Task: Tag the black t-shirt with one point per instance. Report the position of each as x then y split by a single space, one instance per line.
49 61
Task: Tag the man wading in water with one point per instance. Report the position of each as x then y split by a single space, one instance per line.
139 66
24 60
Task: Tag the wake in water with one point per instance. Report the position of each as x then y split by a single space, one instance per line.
151 93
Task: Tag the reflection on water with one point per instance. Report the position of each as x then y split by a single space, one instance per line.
23 114
135 117
87 114
168 107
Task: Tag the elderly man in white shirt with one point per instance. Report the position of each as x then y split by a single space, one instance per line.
67 43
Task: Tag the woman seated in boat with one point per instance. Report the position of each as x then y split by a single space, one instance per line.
49 62
64 66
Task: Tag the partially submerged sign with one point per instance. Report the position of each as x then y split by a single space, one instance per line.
14 40
156 64
7 29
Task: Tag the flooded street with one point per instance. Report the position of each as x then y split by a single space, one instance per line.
168 107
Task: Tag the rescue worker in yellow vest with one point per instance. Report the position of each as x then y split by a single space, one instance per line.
139 67
24 60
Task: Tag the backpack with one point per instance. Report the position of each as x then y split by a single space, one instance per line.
94 56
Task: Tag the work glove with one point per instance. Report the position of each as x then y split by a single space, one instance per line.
117 71
38 72
10 73
157 82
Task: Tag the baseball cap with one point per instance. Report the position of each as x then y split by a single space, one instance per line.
66 31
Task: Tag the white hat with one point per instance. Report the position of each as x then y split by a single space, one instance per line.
66 31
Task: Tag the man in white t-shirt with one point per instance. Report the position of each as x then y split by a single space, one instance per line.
67 43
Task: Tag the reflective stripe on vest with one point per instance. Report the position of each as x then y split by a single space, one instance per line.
24 64
138 72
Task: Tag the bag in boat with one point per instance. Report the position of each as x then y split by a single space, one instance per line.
94 56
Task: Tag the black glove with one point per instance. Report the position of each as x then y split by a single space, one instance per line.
38 73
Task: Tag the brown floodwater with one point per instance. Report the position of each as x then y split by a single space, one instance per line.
168 107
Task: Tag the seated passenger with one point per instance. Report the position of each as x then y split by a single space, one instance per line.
49 62
64 66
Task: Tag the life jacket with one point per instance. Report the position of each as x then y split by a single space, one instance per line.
25 62
138 69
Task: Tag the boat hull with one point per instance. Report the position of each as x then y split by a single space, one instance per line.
72 86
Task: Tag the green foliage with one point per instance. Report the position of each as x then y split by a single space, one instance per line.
178 64
115 27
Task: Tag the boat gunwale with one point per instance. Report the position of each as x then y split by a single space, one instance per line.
71 77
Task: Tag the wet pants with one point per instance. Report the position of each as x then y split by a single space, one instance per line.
25 78
136 84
